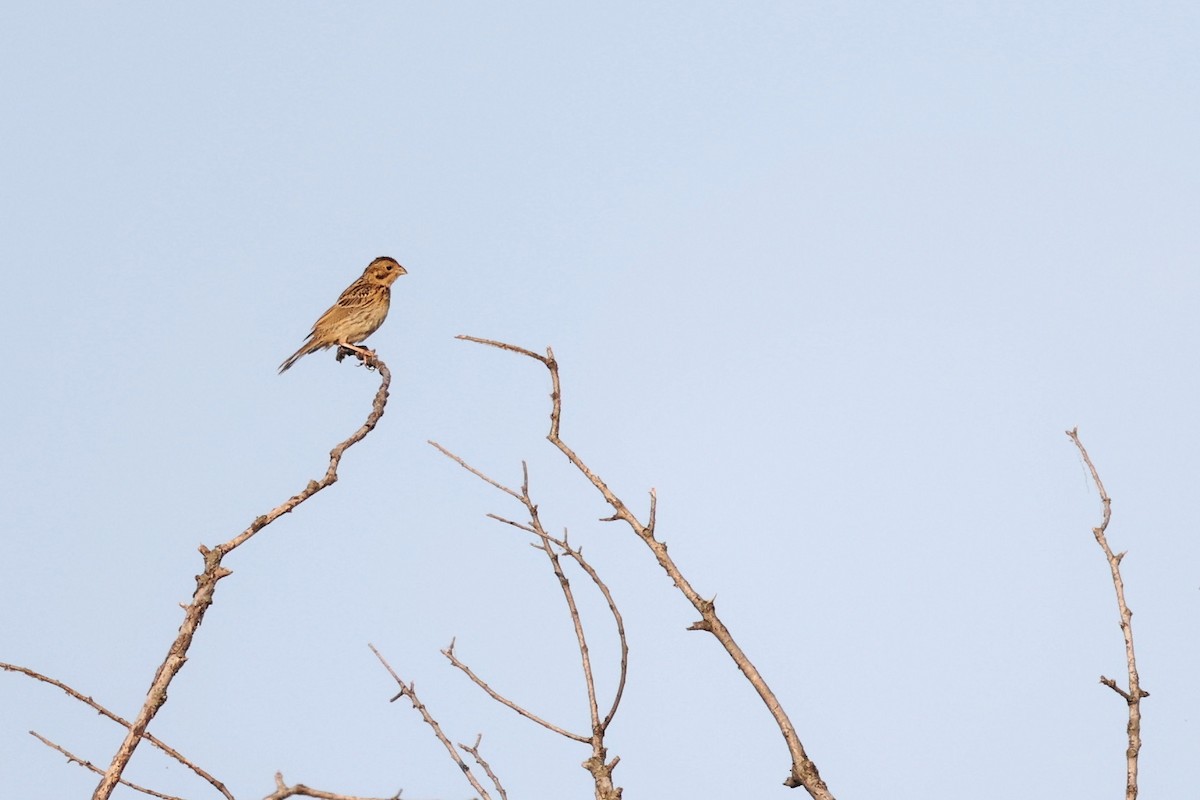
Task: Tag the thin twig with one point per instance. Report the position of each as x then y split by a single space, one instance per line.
508 521
72 758
283 791
568 597
502 345
474 471
803 772
151 738
1133 696
206 585
474 751
409 690
499 698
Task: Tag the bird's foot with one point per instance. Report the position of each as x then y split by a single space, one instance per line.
364 354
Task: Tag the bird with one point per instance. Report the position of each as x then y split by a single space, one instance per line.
358 312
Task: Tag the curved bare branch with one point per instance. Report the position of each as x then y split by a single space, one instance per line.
206 586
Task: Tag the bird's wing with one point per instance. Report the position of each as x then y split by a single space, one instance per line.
358 294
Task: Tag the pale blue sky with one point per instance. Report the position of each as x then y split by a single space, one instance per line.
833 278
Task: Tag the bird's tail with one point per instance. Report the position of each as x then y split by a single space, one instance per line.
304 350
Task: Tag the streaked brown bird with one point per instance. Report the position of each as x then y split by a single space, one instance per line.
357 314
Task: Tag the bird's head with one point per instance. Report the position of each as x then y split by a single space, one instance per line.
384 271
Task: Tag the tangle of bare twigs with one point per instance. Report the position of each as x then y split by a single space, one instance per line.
597 763
803 771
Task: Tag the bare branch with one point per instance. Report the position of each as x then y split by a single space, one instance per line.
72 758
502 345
282 791
577 556
474 751
1133 697
409 690
499 698
473 471
206 585
569 598
508 521
161 745
803 772
601 771
1110 683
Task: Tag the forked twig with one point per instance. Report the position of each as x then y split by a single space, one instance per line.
803 772
482 762
1133 696
409 690
577 556
206 585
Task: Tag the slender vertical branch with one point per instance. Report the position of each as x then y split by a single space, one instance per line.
577 556
804 771
206 586
568 596
1133 696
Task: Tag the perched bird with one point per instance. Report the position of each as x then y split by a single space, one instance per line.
357 314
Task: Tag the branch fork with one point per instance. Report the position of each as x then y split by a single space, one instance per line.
803 771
